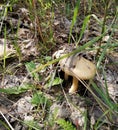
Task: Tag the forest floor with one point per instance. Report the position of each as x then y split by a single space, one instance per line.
33 92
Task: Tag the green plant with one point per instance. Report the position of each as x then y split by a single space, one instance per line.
5 56
30 66
79 49
42 14
39 99
4 124
84 26
107 5
74 18
66 125
33 125
43 23
52 118
53 81
17 89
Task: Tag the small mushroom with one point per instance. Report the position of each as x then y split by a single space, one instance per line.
79 68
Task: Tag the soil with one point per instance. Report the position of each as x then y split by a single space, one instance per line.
25 42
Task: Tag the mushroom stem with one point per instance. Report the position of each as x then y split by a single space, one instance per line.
65 76
74 86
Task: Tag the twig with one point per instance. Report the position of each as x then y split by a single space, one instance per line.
7 121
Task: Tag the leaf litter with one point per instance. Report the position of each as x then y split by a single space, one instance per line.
18 107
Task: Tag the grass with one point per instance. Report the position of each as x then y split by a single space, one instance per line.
42 15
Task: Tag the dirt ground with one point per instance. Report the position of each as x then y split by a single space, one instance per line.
38 100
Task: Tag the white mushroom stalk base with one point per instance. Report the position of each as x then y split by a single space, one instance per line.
74 86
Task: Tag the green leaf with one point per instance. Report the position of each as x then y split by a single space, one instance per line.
48 58
17 90
30 66
57 81
32 124
66 125
53 82
38 99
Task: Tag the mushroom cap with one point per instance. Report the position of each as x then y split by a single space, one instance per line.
78 67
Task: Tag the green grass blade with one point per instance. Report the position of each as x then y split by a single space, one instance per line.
79 49
74 18
112 106
85 23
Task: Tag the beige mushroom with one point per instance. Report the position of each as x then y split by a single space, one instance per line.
79 68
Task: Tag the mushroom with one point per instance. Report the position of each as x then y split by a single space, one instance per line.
79 68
